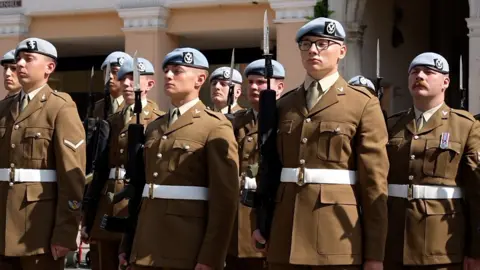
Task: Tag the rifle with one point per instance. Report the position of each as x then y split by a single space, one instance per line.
89 125
269 161
378 84
231 85
100 164
463 91
135 172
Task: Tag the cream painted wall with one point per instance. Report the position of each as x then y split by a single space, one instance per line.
395 61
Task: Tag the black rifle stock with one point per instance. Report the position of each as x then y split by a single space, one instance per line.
269 161
380 93
135 172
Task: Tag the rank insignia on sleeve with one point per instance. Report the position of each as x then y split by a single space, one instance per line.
74 205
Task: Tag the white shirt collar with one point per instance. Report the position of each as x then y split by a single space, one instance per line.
325 83
427 114
144 103
118 100
32 94
185 107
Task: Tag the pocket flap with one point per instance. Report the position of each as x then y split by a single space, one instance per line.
285 126
443 207
395 141
2 131
187 208
40 192
453 146
39 133
187 145
337 194
337 128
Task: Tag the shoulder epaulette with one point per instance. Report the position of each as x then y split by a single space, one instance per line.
398 114
213 113
288 93
65 96
464 114
158 112
362 90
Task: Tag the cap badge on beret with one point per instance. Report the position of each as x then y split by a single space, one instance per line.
141 67
363 81
330 28
226 74
32 45
438 63
120 60
188 57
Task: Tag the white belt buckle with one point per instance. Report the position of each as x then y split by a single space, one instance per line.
12 176
150 191
410 192
301 176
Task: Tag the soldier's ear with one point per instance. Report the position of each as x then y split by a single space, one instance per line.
50 67
150 84
446 82
343 51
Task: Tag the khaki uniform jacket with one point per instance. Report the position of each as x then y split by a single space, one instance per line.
199 149
118 145
47 135
100 104
331 224
246 132
434 231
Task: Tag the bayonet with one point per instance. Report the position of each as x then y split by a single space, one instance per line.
379 78
461 73
266 34
230 83
137 109
106 83
91 99
463 92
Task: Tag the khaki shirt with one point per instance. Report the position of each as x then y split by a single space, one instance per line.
327 224
199 149
435 231
118 145
47 135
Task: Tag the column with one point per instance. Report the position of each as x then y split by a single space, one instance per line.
473 24
350 15
289 17
13 29
145 31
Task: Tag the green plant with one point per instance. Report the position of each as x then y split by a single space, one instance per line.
321 10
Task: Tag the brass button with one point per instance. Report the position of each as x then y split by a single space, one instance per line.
304 140
38 135
16 126
159 155
416 137
249 139
121 151
13 145
164 137
308 120
10 184
412 157
302 161
186 147
410 177
12 165
122 135
122 166
155 174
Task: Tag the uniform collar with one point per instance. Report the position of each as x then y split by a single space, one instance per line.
32 94
427 114
118 100
325 82
144 103
185 107
224 110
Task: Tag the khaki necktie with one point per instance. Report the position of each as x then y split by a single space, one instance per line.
313 94
25 101
420 122
174 116
128 114
114 106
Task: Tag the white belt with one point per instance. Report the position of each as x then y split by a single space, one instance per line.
28 175
303 176
117 173
153 191
424 192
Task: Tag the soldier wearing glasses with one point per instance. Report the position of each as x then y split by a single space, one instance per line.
331 205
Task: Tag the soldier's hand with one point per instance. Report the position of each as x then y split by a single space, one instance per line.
373 265
84 236
122 262
200 266
58 251
258 238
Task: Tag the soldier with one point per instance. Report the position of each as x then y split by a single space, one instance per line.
10 78
191 196
331 210
42 177
116 60
108 243
219 89
361 81
241 253
434 198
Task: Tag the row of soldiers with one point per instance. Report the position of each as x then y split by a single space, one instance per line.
354 191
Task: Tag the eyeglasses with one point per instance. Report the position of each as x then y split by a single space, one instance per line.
320 44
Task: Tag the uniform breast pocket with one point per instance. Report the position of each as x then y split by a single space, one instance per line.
334 141
185 155
440 162
36 142
284 132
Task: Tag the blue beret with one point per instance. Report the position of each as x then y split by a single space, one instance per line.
9 57
431 60
322 27
116 58
223 73
359 80
189 57
144 68
257 67
37 45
